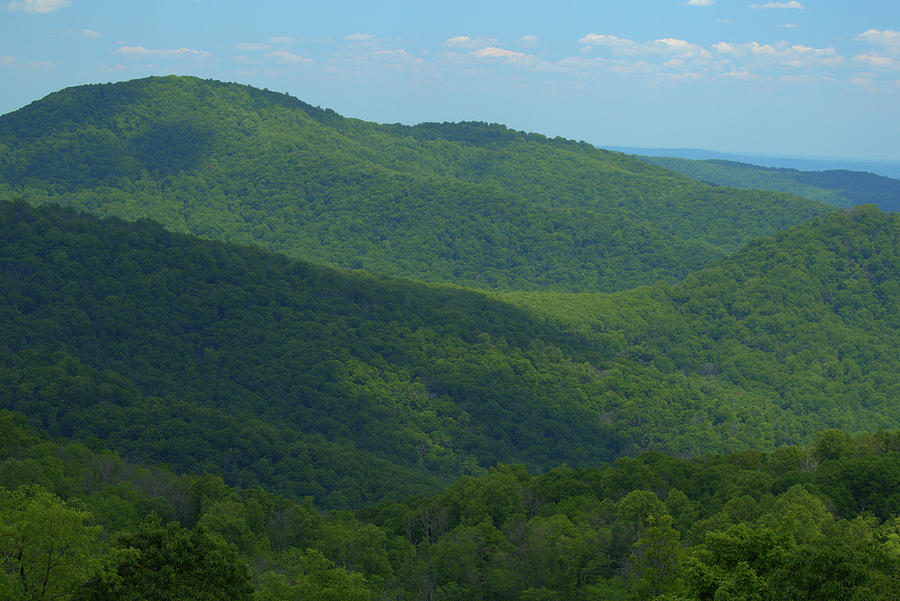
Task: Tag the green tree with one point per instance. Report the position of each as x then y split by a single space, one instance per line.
656 558
165 562
45 546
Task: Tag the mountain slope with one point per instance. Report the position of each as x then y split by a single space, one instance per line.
255 363
804 323
837 187
470 203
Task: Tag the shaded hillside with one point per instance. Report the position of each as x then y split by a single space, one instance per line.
837 187
165 337
804 324
469 203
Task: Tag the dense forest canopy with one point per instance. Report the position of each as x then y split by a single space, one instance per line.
307 379
198 400
469 203
816 522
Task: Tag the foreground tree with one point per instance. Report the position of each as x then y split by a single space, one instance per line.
165 562
45 546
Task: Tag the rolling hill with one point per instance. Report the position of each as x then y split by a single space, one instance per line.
351 387
837 187
470 203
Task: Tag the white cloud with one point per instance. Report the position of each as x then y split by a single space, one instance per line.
638 67
788 26
252 46
85 33
464 41
700 3
282 39
396 57
359 37
792 4
874 60
678 47
781 53
460 40
888 39
287 57
623 46
141 51
494 52
38 6
678 76
611 41
529 41
743 74
7 60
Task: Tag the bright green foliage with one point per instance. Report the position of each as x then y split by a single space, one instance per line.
470 203
46 547
838 187
309 576
570 534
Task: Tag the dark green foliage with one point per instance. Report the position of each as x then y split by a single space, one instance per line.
469 203
837 187
353 388
168 563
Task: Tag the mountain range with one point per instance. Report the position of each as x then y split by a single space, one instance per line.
249 345
471 203
838 187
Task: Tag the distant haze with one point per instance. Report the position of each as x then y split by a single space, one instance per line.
885 168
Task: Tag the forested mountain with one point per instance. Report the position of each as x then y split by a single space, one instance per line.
351 387
818 522
469 203
837 187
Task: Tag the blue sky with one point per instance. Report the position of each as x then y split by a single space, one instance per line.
789 77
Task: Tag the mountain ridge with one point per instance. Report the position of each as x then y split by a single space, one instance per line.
472 203
439 381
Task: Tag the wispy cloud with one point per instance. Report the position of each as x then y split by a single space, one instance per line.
887 39
178 52
529 41
875 60
283 56
781 54
699 3
359 37
623 46
459 40
602 39
742 74
464 41
85 33
501 53
282 39
7 60
37 7
792 4
253 46
396 57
